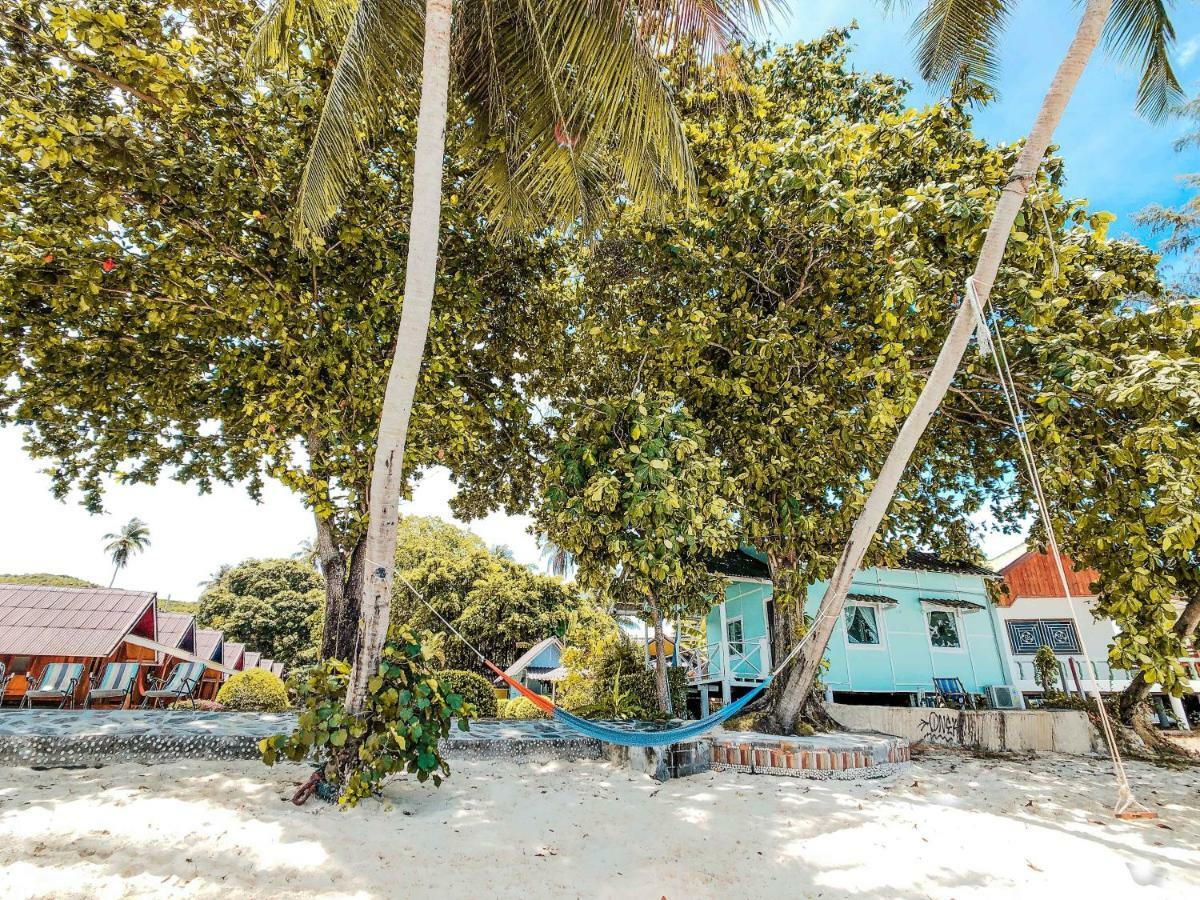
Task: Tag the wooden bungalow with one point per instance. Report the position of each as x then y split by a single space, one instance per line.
177 630
40 625
252 659
542 657
234 655
210 645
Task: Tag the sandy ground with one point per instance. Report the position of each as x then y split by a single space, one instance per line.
952 826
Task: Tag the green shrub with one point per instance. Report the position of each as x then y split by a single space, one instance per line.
1045 670
254 690
523 708
406 714
474 688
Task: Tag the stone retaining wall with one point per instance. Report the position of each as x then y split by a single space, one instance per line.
818 756
996 730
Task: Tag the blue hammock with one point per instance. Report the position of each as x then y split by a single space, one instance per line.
612 735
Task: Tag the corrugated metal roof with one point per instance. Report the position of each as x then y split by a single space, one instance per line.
277 668
252 659
172 627
530 655
37 620
264 663
233 654
738 564
207 641
931 562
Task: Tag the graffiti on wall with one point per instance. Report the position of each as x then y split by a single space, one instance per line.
950 728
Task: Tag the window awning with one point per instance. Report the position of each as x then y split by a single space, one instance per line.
553 675
952 603
881 599
139 641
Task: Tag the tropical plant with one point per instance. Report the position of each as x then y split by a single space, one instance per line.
1045 670
522 708
139 114
559 93
253 690
959 39
133 538
407 713
474 688
632 493
500 606
271 605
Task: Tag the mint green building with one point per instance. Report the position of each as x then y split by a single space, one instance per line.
901 628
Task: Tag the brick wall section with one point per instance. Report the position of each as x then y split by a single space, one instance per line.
805 756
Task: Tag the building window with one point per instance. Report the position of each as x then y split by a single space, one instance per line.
943 629
861 625
1029 635
733 633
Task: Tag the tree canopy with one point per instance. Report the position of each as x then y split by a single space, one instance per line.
797 309
48 579
156 317
500 606
270 605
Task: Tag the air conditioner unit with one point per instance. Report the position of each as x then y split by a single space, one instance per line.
1005 696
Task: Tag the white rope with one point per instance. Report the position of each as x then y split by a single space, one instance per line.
1125 798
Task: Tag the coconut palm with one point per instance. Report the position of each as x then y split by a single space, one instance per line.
958 39
134 537
564 98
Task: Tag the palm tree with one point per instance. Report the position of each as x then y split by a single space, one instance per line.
558 92
559 561
134 537
958 39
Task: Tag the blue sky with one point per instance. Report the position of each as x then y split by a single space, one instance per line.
1117 160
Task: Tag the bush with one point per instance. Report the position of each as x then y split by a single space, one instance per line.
200 705
406 714
474 688
1045 670
523 708
591 694
254 690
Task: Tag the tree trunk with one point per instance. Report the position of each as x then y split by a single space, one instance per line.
113 580
800 679
343 588
1139 690
387 474
660 664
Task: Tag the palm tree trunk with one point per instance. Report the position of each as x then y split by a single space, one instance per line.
113 580
800 680
387 475
1139 690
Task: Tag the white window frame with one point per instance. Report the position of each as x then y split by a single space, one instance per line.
958 627
879 628
740 654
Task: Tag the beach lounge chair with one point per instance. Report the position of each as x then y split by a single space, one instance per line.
58 682
182 684
5 677
115 684
952 693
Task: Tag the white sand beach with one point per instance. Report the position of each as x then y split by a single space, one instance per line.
951 826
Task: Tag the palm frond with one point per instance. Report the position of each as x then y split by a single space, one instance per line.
1140 31
381 51
270 39
958 39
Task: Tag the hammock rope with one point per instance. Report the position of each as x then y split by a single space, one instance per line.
991 342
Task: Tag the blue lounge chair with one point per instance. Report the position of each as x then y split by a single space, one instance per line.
951 692
182 684
115 684
58 682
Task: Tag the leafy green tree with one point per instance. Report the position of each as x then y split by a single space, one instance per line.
799 308
958 39
633 495
270 605
556 94
156 318
498 605
133 538
47 579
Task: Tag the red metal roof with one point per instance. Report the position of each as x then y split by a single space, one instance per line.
207 641
173 627
234 655
38 620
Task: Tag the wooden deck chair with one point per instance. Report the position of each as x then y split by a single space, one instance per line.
5 677
115 684
182 684
951 692
58 682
